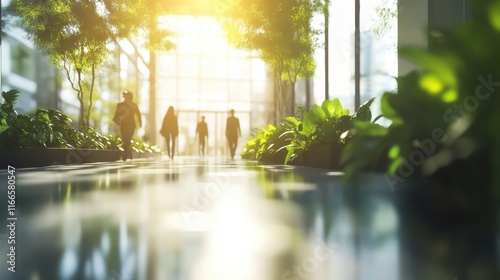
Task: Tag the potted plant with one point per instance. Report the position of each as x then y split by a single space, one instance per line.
443 150
321 135
46 137
314 138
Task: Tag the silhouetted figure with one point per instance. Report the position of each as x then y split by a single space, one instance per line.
202 132
233 131
125 114
170 130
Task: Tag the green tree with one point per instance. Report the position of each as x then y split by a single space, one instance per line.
76 35
386 12
280 33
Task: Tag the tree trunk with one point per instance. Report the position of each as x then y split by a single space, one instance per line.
152 98
326 12
278 97
308 93
357 56
82 123
91 93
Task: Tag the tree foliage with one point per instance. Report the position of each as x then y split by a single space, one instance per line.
280 32
76 35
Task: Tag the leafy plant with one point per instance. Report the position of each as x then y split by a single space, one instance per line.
282 34
7 108
266 142
51 128
446 114
76 36
328 123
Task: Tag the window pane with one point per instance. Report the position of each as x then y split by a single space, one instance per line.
213 67
189 66
341 56
379 62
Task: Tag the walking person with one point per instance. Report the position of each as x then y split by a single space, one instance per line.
202 132
125 116
233 132
170 130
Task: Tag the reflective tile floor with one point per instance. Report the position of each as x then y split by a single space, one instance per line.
202 218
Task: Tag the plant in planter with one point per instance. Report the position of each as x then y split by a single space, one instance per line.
254 144
445 113
311 131
23 130
322 131
265 144
52 129
443 148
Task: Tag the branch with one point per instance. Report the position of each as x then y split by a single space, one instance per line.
91 91
68 75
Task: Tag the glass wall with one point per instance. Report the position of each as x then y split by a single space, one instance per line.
341 56
378 45
204 75
378 51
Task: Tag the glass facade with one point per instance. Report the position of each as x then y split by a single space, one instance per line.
378 45
206 76
378 52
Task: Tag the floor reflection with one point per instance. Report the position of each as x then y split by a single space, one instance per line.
201 219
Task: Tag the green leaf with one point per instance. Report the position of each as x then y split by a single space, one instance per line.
317 114
312 119
10 98
3 125
369 129
333 108
364 113
328 108
338 110
294 121
388 110
394 152
441 66
288 157
344 123
308 124
329 132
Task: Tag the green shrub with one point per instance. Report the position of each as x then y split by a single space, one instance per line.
328 123
51 128
446 113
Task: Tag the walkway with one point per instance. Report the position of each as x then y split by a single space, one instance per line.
198 218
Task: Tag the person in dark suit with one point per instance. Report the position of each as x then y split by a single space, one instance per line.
125 116
170 130
233 132
202 132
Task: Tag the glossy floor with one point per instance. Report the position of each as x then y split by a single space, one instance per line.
200 218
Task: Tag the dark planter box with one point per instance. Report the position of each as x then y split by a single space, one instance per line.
274 158
298 161
279 158
325 156
37 157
